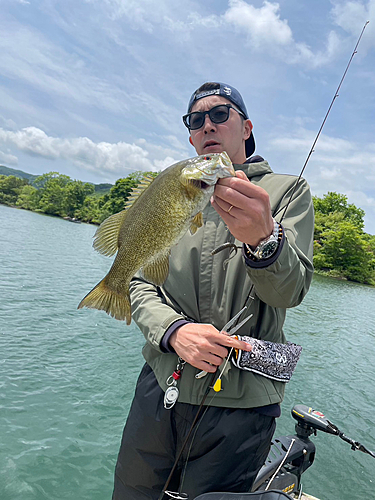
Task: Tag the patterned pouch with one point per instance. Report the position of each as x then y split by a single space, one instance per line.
269 359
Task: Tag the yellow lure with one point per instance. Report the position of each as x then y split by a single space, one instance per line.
217 385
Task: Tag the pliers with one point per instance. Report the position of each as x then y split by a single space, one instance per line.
229 329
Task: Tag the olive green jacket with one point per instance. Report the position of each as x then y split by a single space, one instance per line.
199 289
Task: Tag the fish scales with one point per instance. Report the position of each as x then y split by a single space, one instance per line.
154 221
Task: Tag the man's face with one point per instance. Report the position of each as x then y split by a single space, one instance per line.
229 136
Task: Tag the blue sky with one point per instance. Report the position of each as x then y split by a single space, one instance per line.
95 89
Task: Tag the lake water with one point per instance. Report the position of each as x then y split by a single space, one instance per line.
67 376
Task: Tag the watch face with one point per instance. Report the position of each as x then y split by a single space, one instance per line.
268 249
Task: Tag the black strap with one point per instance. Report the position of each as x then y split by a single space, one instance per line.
257 495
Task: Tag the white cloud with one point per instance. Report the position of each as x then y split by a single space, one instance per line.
8 123
330 173
28 57
302 139
8 159
174 148
302 54
104 158
267 32
262 25
336 164
162 164
265 29
351 16
144 15
195 20
138 12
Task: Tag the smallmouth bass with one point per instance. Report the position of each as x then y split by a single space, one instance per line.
158 213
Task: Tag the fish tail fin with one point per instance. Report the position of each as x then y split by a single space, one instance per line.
114 303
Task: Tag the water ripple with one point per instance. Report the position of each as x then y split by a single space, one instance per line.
67 377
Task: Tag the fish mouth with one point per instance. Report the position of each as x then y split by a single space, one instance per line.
200 184
205 170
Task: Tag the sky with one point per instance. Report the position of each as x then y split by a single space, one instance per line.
95 89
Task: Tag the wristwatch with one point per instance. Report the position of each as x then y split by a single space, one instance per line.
267 247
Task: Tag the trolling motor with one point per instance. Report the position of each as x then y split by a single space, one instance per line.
309 421
290 456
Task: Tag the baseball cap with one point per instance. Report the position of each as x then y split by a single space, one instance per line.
233 96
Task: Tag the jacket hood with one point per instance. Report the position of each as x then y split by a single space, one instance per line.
255 168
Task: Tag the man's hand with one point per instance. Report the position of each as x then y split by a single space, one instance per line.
244 207
203 346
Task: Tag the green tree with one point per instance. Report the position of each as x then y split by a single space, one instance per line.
118 194
340 245
58 194
51 186
115 200
90 210
345 250
335 202
323 222
28 198
138 175
10 188
75 193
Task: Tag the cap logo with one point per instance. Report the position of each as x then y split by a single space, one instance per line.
206 93
227 90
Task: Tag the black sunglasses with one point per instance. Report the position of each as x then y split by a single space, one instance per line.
217 114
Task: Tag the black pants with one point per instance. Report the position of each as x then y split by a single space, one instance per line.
228 449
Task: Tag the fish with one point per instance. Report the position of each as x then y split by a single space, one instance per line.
158 213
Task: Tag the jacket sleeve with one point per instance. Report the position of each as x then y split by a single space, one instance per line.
286 281
151 311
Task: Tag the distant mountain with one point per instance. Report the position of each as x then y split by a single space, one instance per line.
17 173
99 188
102 188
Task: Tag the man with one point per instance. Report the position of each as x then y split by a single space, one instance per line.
182 319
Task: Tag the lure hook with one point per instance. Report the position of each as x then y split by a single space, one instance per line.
233 248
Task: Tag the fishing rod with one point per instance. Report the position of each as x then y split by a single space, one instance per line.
324 120
234 247
180 495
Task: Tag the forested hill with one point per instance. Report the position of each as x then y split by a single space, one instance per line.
17 173
341 246
99 188
57 194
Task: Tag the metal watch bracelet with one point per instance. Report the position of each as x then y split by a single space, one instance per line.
267 247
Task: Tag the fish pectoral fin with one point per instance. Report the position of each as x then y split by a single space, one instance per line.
157 270
196 223
106 236
102 297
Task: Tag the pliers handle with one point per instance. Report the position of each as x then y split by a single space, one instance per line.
229 329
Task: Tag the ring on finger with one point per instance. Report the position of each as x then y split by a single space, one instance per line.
229 209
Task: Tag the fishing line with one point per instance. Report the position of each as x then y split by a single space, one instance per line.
192 440
209 387
187 438
250 294
324 121
281 464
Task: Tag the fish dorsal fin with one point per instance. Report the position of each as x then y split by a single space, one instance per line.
106 236
196 223
157 270
137 191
